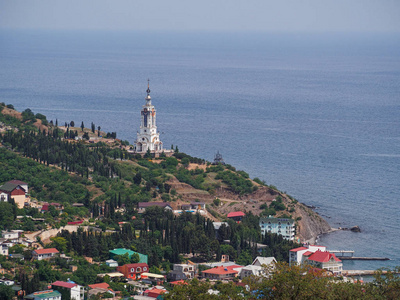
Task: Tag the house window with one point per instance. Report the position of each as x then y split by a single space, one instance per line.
144 269
132 270
138 269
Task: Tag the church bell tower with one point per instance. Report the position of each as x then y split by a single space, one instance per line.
147 137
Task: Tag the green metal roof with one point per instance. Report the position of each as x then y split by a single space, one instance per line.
121 251
8 187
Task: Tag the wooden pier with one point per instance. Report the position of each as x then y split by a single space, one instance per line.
362 258
349 255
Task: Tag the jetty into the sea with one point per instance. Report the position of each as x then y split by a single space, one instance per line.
349 255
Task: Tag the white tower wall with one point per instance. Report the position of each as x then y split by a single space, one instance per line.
148 138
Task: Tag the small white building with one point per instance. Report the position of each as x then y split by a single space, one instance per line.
258 267
7 282
3 249
13 236
188 270
111 263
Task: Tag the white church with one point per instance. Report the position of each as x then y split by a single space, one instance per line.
148 138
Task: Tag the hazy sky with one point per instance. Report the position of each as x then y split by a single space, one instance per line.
232 15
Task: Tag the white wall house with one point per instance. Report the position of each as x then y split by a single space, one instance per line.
257 268
48 253
76 291
296 254
188 270
316 256
282 226
325 260
3 249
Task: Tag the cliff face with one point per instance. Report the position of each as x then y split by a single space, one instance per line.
311 224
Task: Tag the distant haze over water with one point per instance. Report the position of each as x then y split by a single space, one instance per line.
316 115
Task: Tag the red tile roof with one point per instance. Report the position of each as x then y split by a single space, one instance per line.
298 249
64 284
154 292
236 214
103 285
221 270
307 253
46 251
178 282
75 223
19 182
323 256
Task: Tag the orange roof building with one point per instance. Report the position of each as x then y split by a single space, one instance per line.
221 272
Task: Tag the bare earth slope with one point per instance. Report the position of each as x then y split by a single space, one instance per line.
309 223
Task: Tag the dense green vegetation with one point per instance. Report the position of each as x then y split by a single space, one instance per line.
297 282
184 234
238 182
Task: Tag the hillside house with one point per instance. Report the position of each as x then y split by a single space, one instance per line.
296 254
14 189
221 272
12 235
188 269
325 260
57 206
100 288
133 271
257 267
3 249
69 289
237 216
198 205
111 263
48 253
142 206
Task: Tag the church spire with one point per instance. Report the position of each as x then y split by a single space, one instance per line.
148 87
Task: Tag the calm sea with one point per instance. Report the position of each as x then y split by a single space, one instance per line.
316 115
